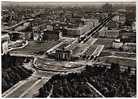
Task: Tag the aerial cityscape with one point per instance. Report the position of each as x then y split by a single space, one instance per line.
67 49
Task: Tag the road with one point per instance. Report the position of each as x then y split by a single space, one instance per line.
96 91
98 50
18 24
96 29
28 87
54 66
19 89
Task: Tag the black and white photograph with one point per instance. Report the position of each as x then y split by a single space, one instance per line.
68 49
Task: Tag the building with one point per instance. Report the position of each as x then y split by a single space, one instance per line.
16 35
117 44
50 35
128 36
23 26
77 31
122 19
50 27
36 33
4 43
116 18
134 26
129 47
62 54
109 33
122 61
122 16
112 25
91 22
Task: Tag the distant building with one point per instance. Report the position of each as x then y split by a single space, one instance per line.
122 16
49 27
91 22
109 33
23 27
46 34
128 36
122 61
117 44
134 26
112 25
131 47
107 42
75 20
121 11
116 18
50 35
76 31
100 16
16 35
79 30
122 19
